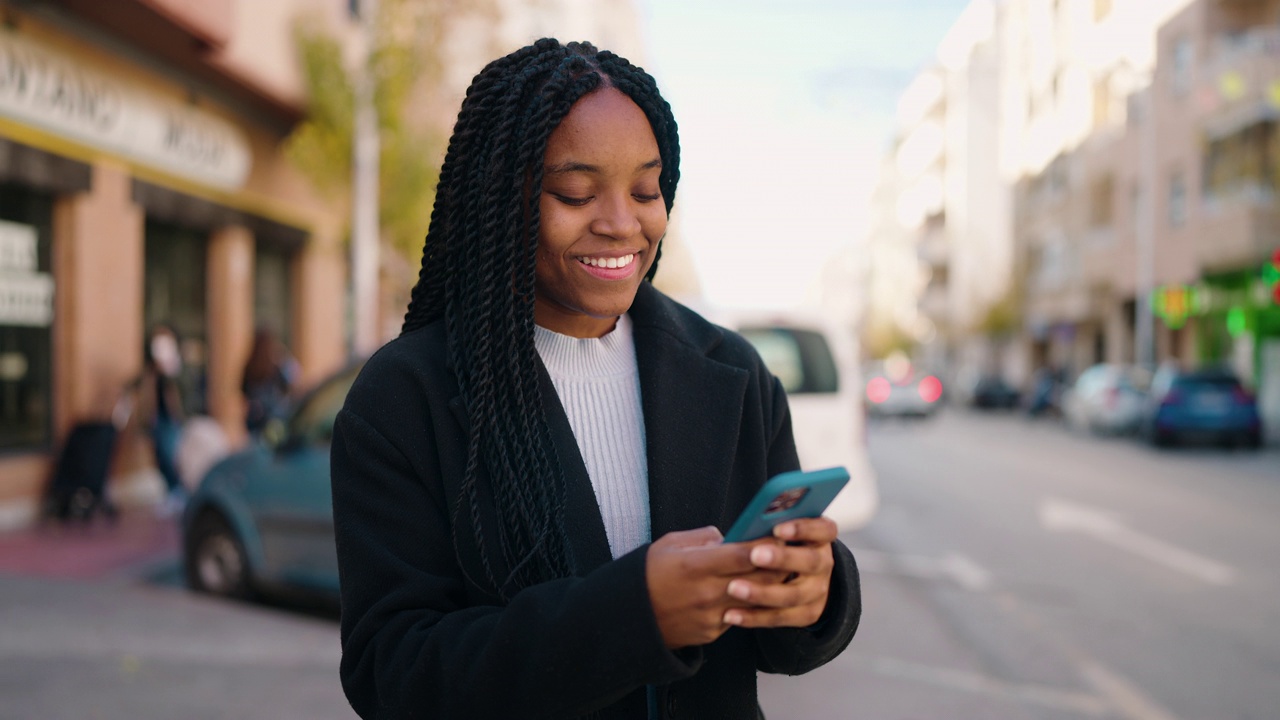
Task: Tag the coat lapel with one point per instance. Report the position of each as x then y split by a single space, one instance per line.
584 526
692 414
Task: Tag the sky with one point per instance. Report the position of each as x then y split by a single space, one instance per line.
785 109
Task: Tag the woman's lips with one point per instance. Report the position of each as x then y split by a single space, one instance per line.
609 268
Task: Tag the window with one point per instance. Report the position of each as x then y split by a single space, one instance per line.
1102 201
800 359
272 299
1243 161
1177 201
26 319
1102 111
1183 56
175 295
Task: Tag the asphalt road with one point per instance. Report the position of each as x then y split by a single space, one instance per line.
1015 570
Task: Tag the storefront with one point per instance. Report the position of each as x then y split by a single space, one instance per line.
130 195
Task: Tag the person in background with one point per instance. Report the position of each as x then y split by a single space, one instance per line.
268 378
530 482
159 409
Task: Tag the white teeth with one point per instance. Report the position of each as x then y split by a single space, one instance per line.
621 262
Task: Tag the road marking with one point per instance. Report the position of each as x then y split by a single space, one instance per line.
1064 516
954 567
979 684
1125 697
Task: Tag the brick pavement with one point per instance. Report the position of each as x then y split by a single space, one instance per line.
93 550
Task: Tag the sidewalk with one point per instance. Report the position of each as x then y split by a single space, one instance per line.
99 549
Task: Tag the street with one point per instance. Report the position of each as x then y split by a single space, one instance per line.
1014 571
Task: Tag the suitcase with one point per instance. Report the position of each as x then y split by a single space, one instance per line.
77 489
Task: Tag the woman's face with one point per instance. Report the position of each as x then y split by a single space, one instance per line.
602 215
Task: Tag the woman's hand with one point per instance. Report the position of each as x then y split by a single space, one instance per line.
688 574
801 551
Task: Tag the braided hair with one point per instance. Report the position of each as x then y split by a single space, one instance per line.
478 276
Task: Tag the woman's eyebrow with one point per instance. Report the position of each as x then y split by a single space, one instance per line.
571 166
574 166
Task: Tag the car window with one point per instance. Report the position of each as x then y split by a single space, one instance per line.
1207 382
800 359
313 422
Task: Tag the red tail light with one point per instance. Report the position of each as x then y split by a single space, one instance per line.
1242 396
878 390
1173 397
930 389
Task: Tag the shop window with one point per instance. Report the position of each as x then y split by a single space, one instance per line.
272 291
175 295
26 319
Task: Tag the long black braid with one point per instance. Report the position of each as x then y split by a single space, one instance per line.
478 275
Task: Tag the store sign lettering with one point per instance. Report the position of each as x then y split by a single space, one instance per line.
26 299
28 79
18 248
44 89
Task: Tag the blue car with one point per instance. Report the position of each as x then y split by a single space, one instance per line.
261 520
1203 405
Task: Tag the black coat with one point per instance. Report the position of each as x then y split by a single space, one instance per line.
421 641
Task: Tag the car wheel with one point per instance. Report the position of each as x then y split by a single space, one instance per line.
1252 441
216 562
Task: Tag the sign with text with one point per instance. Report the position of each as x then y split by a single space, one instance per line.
18 248
46 89
26 299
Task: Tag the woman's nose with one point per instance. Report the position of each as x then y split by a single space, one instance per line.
617 218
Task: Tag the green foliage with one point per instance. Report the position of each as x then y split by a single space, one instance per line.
320 146
1003 318
400 64
882 337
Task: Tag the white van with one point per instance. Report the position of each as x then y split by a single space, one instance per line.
817 366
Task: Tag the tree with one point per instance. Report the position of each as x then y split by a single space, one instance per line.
406 63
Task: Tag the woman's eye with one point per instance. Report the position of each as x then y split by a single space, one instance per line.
647 198
570 200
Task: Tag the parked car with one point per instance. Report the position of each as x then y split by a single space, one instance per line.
902 392
1107 398
1202 405
815 364
993 392
261 520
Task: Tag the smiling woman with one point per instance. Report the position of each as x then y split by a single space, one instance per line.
602 218
530 483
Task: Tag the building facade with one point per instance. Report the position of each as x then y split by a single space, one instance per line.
142 181
1171 223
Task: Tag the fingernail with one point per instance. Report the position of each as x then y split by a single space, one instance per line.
739 589
732 617
785 531
762 555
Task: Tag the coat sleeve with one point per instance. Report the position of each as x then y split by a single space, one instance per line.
798 650
414 646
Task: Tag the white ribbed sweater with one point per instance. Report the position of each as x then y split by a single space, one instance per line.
599 386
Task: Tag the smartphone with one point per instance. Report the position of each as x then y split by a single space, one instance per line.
790 495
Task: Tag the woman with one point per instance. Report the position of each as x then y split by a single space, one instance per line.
267 379
530 482
160 410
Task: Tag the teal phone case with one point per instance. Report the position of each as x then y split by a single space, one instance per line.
789 495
